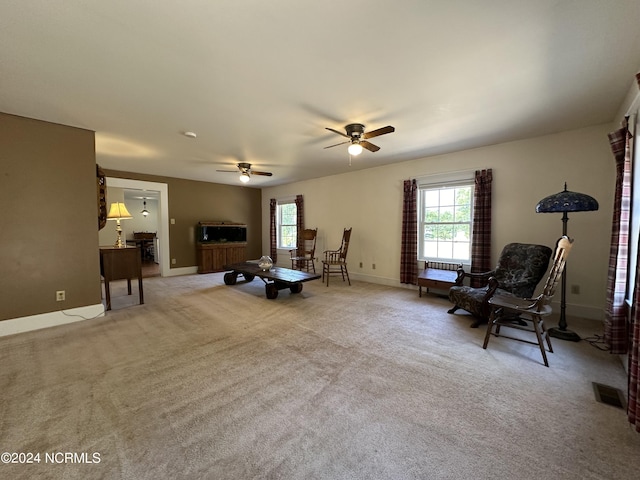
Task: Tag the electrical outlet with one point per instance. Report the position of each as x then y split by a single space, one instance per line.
575 289
173 261
60 296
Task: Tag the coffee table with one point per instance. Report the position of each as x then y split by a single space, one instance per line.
276 278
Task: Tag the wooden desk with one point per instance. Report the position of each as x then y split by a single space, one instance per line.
441 278
120 264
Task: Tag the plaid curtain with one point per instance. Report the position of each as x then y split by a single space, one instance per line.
481 236
409 246
633 396
616 334
633 407
273 230
299 226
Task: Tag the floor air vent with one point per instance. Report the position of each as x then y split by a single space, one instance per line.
609 395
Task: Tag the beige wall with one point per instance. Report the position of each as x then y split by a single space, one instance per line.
49 234
47 177
524 172
191 202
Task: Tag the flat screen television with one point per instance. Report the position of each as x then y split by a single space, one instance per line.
221 233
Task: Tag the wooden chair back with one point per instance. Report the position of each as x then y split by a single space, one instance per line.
344 247
309 236
559 260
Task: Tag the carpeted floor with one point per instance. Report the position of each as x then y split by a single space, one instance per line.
363 382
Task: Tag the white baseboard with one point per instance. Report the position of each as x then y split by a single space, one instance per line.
51 319
588 312
389 282
174 272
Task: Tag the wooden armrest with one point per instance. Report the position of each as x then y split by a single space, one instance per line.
493 286
514 303
462 275
331 255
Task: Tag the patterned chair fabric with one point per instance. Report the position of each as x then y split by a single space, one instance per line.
520 268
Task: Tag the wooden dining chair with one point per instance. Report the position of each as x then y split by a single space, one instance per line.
335 261
304 255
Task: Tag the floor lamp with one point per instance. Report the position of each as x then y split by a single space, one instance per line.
565 202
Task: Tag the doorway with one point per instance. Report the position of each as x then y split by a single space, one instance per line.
159 194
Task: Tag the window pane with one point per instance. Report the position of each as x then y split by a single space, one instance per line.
446 213
446 196
463 213
431 249
461 250
445 222
445 250
431 198
462 233
431 214
430 232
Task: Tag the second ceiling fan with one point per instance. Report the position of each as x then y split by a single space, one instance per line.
358 137
246 172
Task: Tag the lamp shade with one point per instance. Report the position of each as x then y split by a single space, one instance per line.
567 201
118 211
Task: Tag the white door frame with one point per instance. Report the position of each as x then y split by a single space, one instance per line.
163 206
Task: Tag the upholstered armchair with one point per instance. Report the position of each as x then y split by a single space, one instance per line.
520 268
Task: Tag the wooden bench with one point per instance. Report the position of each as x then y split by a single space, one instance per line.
438 275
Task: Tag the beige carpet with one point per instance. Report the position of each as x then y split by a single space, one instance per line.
363 382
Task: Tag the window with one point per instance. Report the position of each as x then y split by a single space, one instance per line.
445 216
287 227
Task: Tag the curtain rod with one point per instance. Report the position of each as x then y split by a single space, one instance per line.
455 174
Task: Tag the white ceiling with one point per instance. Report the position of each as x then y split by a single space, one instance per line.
259 81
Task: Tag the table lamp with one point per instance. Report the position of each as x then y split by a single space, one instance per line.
118 212
565 202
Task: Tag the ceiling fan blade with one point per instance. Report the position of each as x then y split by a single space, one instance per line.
341 143
339 133
227 171
379 131
369 146
266 174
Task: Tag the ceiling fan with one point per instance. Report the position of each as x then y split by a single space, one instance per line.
358 137
246 172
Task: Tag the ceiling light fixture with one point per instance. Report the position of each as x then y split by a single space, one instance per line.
144 211
244 177
355 148
190 134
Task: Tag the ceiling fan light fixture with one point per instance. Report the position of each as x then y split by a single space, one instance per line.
244 177
355 149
